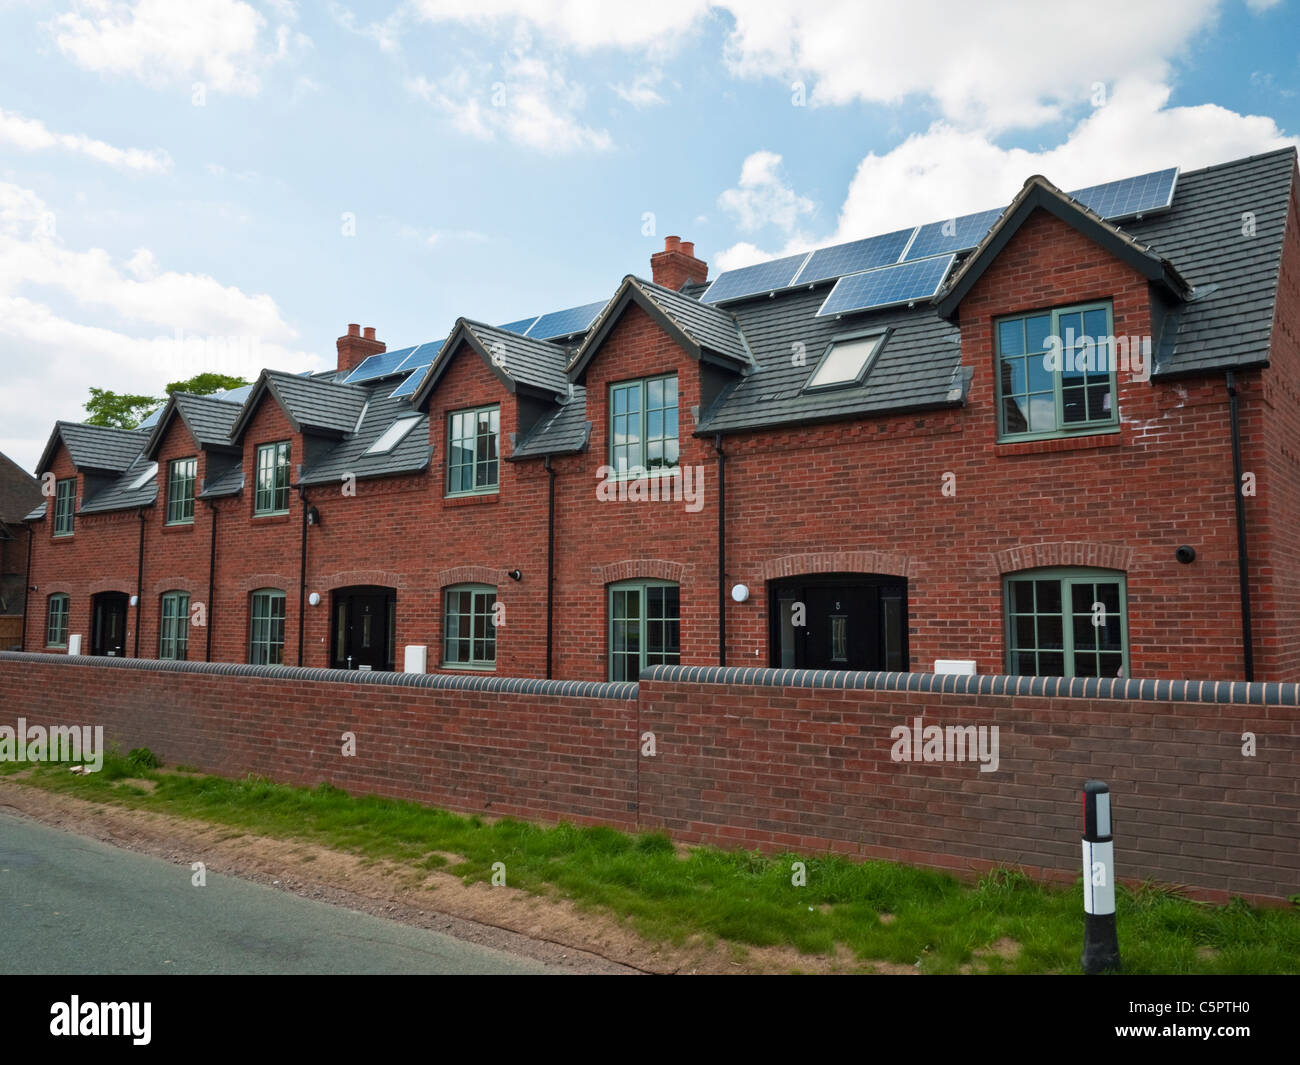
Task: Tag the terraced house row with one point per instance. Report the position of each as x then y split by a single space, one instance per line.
1059 437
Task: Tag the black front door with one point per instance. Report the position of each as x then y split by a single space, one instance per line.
363 622
839 621
108 632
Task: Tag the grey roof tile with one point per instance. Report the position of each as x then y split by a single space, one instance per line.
121 493
210 420
563 432
96 447
411 455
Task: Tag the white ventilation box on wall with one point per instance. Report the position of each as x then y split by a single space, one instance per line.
965 666
74 645
417 658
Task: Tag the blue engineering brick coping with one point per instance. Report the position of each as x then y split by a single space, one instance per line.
1133 689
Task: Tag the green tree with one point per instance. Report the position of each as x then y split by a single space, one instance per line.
205 384
118 410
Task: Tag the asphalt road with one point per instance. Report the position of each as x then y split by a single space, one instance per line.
70 905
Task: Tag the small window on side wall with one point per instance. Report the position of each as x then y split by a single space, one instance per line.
1067 623
56 628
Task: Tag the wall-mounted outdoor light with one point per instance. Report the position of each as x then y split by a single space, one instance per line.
1185 554
313 518
314 599
135 600
515 575
739 592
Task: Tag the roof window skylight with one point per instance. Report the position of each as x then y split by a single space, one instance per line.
393 436
846 361
150 472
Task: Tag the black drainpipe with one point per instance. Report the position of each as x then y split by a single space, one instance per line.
302 573
550 563
1243 560
212 578
139 585
27 584
722 550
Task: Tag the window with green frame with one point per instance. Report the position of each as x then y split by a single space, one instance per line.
643 425
65 505
472 437
266 629
1067 623
645 627
272 496
469 627
173 638
56 627
180 491
1046 388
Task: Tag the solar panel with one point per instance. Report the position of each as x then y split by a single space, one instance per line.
1133 196
373 367
563 323
422 355
952 234
887 286
408 387
854 257
521 327
752 280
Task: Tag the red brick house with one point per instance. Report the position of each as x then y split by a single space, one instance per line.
1056 438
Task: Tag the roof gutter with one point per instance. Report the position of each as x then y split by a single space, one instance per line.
1243 559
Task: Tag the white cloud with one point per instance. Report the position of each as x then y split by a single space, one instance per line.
762 198
641 93
111 323
581 24
947 171
386 33
163 43
32 135
1259 6
531 103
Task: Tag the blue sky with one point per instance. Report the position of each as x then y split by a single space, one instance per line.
192 166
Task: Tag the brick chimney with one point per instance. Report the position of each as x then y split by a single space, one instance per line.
353 347
676 264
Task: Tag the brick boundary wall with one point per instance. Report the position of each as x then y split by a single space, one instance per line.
773 759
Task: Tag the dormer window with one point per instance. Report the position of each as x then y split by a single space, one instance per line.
65 499
272 494
181 474
1056 373
846 361
643 426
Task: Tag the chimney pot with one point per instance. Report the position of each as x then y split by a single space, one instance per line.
688 248
354 329
370 332
676 264
353 348
672 243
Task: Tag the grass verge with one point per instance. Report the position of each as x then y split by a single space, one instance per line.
870 911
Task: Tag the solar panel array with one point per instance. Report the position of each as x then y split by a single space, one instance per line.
521 327
887 286
854 257
752 280
416 365
1131 196
1126 198
373 367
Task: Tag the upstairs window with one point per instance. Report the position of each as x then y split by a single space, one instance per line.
472 452
65 500
180 491
845 362
174 639
1067 623
56 628
1056 373
272 495
643 425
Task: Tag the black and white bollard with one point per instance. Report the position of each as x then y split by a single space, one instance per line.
1100 944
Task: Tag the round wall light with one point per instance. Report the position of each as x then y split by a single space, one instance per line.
739 592
314 599
1185 554
135 600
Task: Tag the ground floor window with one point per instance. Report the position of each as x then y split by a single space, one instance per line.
469 627
645 627
266 632
1067 623
839 621
56 628
173 639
